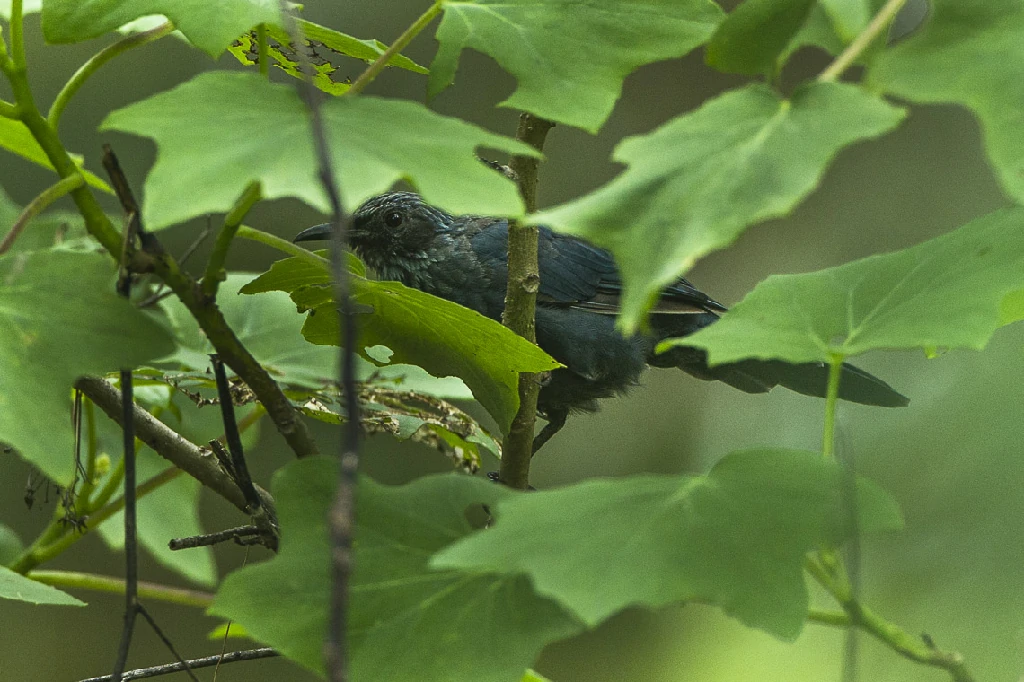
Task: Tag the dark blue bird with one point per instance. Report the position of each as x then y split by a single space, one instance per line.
464 259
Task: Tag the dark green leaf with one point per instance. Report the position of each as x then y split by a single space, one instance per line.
442 337
736 537
697 182
10 545
18 587
60 319
970 52
210 26
569 56
753 36
229 144
452 625
903 299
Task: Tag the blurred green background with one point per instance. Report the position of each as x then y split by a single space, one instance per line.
952 459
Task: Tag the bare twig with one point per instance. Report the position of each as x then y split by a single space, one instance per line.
341 516
520 304
131 599
239 535
194 664
167 642
233 440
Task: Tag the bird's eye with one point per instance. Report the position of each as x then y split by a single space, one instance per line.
392 218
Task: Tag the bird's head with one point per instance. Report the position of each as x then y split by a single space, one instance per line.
390 228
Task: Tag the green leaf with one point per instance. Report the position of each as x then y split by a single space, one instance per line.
60 319
736 537
11 545
981 43
171 511
210 26
268 326
532 676
850 17
17 139
753 36
17 587
374 142
452 625
903 299
28 7
51 228
442 337
569 56
697 182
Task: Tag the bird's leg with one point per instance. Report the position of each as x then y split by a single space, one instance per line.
556 420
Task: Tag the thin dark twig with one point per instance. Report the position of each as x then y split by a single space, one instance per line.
162 291
167 642
231 437
131 545
341 517
214 538
194 664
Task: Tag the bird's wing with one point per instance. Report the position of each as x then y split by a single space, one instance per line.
581 275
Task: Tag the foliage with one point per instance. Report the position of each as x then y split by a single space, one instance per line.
472 578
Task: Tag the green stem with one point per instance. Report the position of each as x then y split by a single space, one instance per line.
372 71
282 245
232 221
112 485
263 48
17 36
98 60
104 583
862 41
49 195
890 634
91 452
835 370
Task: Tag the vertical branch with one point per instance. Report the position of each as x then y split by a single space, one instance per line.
232 438
520 304
341 516
131 546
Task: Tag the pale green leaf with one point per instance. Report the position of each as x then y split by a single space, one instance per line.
10 545
452 625
60 319
697 182
569 56
903 299
229 144
27 7
736 537
19 588
17 139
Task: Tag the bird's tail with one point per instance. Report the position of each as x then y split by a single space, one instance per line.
760 376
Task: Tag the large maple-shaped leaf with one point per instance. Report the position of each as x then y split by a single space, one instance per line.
451 624
970 52
228 144
570 56
736 537
60 319
440 336
697 182
210 26
904 299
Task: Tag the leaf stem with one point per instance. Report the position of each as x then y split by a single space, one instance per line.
914 648
49 195
263 50
8 110
95 62
862 41
282 245
520 304
17 36
835 370
232 221
110 584
372 71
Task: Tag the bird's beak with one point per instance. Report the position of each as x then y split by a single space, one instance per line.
314 233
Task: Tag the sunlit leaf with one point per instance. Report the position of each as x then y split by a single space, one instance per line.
697 182
736 537
17 139
452 625
903 299
569 56
229 144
